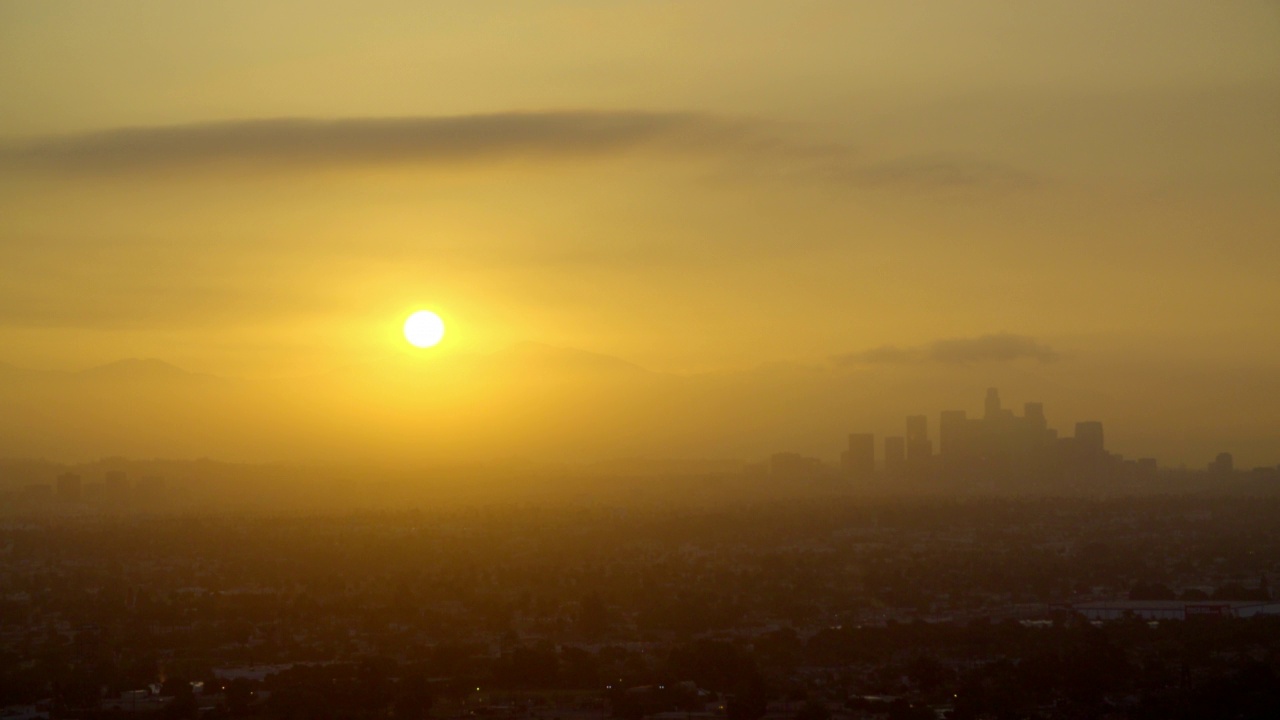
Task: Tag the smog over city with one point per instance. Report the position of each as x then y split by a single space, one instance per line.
651 360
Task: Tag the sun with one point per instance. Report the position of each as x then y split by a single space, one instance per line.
424 329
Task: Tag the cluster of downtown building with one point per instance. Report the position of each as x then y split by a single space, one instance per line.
116 491
998 447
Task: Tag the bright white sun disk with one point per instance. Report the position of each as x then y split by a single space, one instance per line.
424 329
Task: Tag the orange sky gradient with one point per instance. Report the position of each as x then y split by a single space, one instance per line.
667 229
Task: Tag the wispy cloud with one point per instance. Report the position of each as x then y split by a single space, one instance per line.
939 172
1001 347
883 355
750 148
991 348
414 140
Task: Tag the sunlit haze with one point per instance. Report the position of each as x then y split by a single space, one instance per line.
640 359
668 230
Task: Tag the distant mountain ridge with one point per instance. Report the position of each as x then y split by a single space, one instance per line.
128 369
551 357
542 402
135 369
523 355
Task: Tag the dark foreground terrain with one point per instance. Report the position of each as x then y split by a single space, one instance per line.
985 608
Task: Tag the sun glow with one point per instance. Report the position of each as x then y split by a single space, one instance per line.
424 329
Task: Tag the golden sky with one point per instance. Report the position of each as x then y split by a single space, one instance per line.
264 191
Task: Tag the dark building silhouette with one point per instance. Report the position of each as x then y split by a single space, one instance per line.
93 493
953 433
991 407
36 495
1223 464
116 490
919 448
150 490
998 448
1033 415
68 488
789 465
859 459
895 456
1088 439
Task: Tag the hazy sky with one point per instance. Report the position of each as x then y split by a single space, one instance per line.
265 190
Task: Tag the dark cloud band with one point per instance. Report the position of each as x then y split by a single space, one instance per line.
750 148
302 142
1001 347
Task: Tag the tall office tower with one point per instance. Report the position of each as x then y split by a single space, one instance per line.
1033 413
992 409
1089 438
68 488
860 457
1224 463
952 427
150 490
919 449
895 456
786 464
116 490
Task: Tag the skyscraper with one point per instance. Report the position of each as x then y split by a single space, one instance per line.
1223 464
793 466
919 449
1033 412
895 456
859 459
952 426
992 405
116 491
68 488
1089 441
150 490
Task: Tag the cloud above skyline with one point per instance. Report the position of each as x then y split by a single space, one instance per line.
997 347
